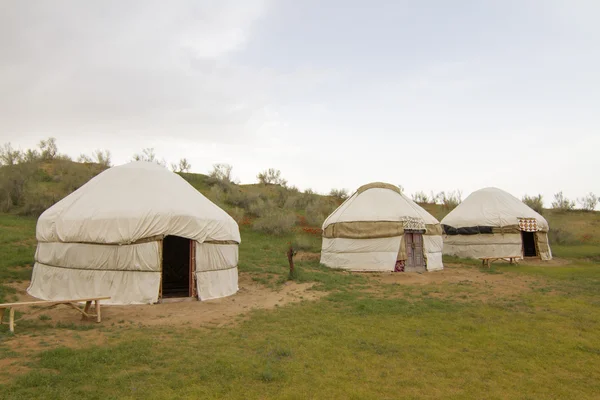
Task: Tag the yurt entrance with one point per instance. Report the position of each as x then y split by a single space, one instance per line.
415 261
529 249
178 267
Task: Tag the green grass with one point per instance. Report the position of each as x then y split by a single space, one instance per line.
363 340
17 249
349 345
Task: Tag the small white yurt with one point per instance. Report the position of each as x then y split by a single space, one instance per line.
137 233
492 223
380 229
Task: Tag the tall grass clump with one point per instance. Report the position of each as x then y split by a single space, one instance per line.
275 222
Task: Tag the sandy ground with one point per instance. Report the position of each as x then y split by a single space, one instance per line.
217 312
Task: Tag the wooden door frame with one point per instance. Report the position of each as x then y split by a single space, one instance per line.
192 267
413 233
192 289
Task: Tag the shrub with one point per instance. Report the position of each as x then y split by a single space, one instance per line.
562 203
237 214
271 177
102 157
588 202
303 243
37 200
9 156
261 208
341 194
148 155
275 222
561 236
450 200
221 173
217 194
420 197
315 215
536 203
48 149
84 159
240 198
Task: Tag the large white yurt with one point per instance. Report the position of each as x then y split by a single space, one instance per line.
491 223
378 229
137 233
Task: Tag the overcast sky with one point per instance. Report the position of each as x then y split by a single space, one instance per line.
432 95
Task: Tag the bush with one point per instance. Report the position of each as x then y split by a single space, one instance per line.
261 208
561 236
588 202
102 157
303 243
341 194
36 200
237 214
562 203
220 174
9 156
420 197
240 198
275 222
315 213
536 203
271 177
450 200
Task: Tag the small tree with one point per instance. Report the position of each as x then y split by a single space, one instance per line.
271 177
536 203
588 202
147 154
420 197
31 155
341 194
102 157
84 158
9 156
451 200
184 165
221 173
562 203
48 149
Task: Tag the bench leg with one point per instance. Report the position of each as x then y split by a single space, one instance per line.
86 309
11 321
1 315
98 315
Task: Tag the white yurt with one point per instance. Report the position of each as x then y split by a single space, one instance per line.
137 233
491 223
380 229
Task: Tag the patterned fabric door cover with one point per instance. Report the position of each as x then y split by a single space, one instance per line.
528 224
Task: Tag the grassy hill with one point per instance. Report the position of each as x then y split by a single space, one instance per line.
455 333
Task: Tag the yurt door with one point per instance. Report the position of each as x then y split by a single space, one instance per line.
178 272
414 252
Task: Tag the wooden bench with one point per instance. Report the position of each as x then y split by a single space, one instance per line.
487 262
53 303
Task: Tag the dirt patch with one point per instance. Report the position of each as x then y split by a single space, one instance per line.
555 262
217 312
463 283
35 335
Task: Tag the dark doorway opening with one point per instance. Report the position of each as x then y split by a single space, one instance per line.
176 267
529 249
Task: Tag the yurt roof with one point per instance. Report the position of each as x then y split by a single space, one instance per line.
491 207
131 202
